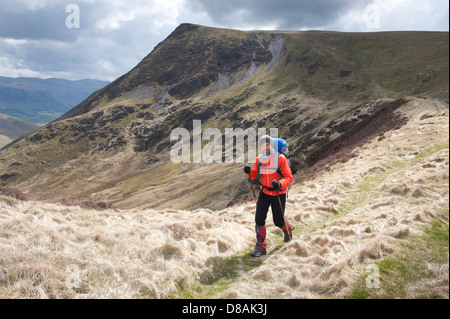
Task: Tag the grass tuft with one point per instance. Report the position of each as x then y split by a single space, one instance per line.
418 269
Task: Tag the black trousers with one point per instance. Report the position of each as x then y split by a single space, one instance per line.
262 207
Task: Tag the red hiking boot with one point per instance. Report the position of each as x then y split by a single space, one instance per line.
260 247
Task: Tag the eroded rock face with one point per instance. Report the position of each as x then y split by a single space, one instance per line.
356 127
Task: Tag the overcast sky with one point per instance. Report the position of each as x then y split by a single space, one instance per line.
103 39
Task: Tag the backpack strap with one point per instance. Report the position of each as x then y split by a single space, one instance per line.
277 170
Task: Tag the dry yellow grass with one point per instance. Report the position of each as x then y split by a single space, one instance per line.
52 251
349 217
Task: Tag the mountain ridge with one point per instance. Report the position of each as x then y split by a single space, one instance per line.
115 145
166 74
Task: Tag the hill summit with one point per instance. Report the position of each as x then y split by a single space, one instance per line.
327 93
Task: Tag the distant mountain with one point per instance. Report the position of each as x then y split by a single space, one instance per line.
12 128
43 100
326 92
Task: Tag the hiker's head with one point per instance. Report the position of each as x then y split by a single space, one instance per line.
266 144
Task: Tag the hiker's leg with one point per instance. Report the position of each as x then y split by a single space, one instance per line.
278 216
287 231
277 210
260 247
262 208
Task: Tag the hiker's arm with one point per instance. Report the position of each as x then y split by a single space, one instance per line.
286 172
254 171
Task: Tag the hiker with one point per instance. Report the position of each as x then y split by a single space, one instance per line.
274 182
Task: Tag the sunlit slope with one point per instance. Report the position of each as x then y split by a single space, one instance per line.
377 209
313 86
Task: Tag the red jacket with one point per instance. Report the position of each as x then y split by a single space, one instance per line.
269 173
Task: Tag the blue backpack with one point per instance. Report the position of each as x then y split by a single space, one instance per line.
281 146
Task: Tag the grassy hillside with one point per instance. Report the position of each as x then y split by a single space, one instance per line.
384 209
320 89
4 140
366 66
12 128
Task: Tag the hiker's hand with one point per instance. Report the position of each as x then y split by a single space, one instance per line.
247 169
276 185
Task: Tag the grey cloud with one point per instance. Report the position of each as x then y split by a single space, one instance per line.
48 22
47 46
288 14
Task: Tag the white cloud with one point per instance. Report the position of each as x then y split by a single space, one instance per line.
34 5
16 69
106 66
114 22
155 14
15 42
404 15
165 13
396 15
